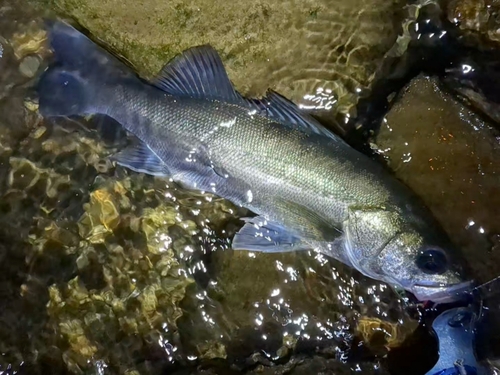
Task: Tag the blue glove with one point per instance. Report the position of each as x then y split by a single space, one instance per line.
454 329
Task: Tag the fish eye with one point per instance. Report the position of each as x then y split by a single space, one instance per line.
432 261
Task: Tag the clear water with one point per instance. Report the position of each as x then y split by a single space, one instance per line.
111 272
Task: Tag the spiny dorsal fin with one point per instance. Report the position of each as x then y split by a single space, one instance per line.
198 73
276 106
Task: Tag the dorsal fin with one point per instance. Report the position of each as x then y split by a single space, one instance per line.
198 72
276 106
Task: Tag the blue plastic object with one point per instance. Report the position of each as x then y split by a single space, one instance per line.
454 329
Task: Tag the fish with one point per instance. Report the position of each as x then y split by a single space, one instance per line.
309 190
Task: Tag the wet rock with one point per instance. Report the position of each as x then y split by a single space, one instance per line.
318 365
102 213
131 252
449 156
475 78
423 45
18 36
377 332
31 39
297 365
29 66
317 53
478 20
21 37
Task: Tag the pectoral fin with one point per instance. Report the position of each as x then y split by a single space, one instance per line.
139 158
307 223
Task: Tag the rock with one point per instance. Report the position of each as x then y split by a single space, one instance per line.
475 78
478 20
29 66
283 303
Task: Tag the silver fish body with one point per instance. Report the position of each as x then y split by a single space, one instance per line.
309 189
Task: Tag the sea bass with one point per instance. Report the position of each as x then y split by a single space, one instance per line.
309 189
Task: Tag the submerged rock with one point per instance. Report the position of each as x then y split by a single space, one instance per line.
449 156
318 53
290 303
478 20
378 332
125 302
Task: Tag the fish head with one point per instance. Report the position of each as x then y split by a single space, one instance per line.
429 270
418 258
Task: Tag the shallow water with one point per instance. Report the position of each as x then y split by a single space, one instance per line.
107 271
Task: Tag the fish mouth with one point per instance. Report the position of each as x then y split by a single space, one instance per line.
439 293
